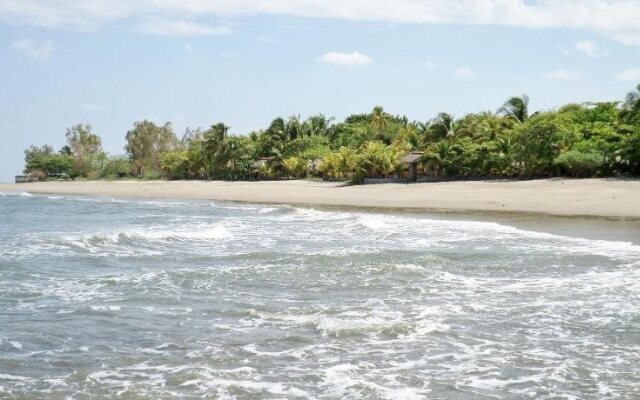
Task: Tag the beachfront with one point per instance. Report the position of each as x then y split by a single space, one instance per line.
594 198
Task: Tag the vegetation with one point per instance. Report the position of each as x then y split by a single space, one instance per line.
577 140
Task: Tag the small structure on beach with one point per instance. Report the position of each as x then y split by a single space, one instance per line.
314 165
261 162
26 178
412 159
260 167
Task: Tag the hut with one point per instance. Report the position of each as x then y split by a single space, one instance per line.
259 167
314 165
261 163
26 178
412 159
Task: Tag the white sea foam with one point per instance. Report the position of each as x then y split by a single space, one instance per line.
105 308
196 232
16 344
343 305
18 194
410 269
373 221
9 377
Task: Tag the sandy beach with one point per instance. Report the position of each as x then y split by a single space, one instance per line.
592 198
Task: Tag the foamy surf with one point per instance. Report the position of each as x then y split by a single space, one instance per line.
164 299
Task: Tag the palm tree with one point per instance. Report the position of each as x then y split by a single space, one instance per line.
294 127
443 126
631 105
212 142
516 108
379 118
318 125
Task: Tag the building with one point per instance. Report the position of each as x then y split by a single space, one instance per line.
413 158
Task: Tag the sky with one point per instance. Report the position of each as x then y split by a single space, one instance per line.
110 63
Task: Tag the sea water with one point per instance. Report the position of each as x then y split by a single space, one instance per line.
103 298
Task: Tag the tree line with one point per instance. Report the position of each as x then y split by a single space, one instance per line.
577 140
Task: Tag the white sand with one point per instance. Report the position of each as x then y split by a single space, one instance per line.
596 198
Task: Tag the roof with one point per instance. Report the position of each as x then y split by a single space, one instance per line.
412 157
261 162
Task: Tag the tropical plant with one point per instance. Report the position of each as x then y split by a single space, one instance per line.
146 143
516 108
578 164
84 146
631 107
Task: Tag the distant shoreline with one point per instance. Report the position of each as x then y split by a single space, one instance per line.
610 199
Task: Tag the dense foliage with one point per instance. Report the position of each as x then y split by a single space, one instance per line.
577 140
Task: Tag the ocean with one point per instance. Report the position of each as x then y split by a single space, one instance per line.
105 298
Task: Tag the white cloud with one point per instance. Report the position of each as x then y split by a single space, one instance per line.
631 75
628 39
180 27
587 47
617 19
464 73
34 49
353 59
564 75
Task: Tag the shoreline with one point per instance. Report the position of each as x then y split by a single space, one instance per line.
603 199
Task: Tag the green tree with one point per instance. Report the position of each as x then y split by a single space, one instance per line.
442 126
146 143
213 149
380 120
43 161
631 107
516 108
85 147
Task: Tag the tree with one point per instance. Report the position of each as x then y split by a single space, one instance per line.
538 144
631 106
442 126
116 167
84 146
44 161
379 119
146 143
212 142
516 108
375 160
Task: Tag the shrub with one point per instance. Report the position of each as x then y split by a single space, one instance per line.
579 164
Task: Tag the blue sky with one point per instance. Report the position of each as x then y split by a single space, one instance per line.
196 62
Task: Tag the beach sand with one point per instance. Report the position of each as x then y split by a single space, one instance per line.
591 198
596 198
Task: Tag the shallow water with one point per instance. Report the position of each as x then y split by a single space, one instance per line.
135 298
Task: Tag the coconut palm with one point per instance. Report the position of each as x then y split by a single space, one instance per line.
318 125
443 126
379 119
631 105
516 108
212 144
294 127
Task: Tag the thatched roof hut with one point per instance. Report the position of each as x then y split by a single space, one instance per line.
413 158
261 162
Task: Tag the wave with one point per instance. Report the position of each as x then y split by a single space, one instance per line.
196 233
15 194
